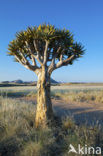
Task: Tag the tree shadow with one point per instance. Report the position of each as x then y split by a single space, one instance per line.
82 115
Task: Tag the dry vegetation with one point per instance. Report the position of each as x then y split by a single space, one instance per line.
19 137
80 96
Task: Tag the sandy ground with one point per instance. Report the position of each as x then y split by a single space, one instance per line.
82 112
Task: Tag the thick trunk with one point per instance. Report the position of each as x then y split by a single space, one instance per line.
44 111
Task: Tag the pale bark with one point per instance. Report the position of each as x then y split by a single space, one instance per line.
61 63
46 53
44 112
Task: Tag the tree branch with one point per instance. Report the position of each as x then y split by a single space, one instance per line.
35 45
26 64
64 62
21 62
38 54
33 56
61 63
52 65
46 53
33 60
58 50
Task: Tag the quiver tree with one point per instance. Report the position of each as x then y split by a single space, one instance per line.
42 50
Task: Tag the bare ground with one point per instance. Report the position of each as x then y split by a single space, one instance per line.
83 112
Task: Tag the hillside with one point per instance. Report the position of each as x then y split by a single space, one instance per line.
20 82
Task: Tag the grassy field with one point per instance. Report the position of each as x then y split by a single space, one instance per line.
78 110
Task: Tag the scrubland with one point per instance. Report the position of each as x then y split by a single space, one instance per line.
19 137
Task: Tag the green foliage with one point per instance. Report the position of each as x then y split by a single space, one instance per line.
60 41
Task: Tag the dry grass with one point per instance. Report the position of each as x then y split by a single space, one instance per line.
19 137
78 93
80 96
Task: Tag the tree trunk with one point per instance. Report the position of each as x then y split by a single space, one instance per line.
44 112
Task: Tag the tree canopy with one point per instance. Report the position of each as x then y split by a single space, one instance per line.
46 46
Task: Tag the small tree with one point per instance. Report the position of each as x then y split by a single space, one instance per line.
42 50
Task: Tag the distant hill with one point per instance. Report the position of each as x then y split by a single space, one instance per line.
53 81
23 83
17 81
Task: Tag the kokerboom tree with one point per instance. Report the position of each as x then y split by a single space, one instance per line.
42 50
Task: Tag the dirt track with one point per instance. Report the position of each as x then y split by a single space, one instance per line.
82 112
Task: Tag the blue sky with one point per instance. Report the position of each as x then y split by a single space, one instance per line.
84 18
